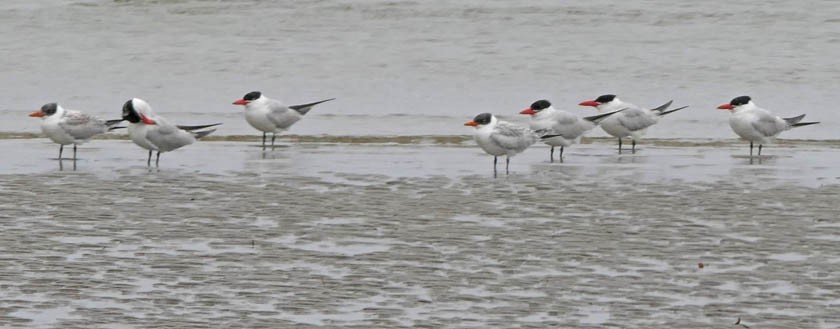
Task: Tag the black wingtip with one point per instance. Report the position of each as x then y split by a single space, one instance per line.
115 128
113 122
303 108
602 116
802 124
191 128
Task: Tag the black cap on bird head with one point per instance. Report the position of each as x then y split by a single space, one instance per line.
252 96
540 105
129 113
483 118
740 100
49 108
605 98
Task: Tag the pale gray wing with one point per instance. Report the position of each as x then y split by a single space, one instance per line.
569 125
81 125
512 137
281 115
168 137
768 125
635 118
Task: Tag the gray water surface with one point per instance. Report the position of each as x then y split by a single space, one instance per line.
191 58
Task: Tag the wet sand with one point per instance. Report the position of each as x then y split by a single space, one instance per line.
335 234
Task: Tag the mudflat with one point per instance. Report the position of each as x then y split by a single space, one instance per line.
399 235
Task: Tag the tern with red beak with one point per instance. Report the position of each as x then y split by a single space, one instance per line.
559 127
499 138
756 124
65 127
270 115
632 122
155 133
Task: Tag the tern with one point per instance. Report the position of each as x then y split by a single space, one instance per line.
559 127
756 124
155 133
632 121
270 115
499 138
66 127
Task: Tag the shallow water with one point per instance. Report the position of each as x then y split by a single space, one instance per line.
343 235
191 58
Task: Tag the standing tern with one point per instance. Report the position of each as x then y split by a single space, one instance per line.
270 115
66 127
499 138
559 127
155 133
632 121
756 124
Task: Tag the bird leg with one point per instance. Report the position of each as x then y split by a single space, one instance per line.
495 161
552 154
619 145
157 159
60 149
273 136
74 152
561 153
634 146
507 165
263 144
149 161
759 149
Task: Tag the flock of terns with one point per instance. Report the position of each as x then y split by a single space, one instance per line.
155 133
619 119
553 127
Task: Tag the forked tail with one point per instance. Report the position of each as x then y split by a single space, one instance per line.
661 109
672 111
794 122
303 108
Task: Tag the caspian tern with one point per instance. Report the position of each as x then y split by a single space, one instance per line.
66 127
155 133
499 138
559 127
270 115
632 122
756 124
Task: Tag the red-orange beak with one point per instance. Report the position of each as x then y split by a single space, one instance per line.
241 102
37 114
146 120
471 124
590 103
726 107
528 111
